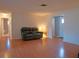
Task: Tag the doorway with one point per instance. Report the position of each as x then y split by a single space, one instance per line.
59 25
5 25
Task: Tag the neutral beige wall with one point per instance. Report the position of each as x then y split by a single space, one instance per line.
33 19
71 29
71 25
0 27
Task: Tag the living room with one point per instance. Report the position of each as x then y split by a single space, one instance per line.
29 13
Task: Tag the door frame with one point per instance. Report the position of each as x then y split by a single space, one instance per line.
60 31
9 23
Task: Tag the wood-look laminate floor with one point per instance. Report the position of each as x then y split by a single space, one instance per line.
41 48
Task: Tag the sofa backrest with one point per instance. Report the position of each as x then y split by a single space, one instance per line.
24 29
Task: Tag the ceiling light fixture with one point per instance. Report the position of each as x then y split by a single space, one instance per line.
43 5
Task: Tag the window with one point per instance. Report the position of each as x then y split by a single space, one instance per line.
62 21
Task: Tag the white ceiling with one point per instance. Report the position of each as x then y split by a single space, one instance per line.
34 5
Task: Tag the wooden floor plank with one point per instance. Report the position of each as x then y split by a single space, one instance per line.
41 48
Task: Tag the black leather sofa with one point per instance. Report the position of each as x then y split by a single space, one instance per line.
30 33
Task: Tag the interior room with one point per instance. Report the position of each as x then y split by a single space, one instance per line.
39 29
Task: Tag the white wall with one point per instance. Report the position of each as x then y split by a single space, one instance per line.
20 20
51 28
71 26
0 27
